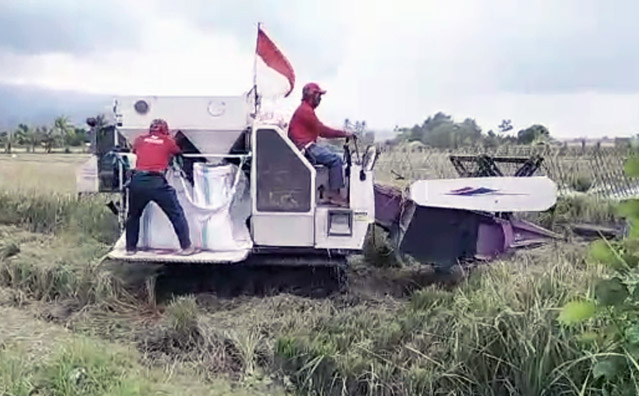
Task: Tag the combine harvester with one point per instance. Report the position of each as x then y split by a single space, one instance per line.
246 190
250 196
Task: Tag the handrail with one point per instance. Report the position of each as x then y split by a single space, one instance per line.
117 153
218 155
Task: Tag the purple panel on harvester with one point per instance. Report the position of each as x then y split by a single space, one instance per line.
439 236
526 233
493 237
509 233
388 202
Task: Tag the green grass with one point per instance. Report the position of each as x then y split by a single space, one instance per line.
15 378
495 334
83 368
48 268
52 213
76 365
182 314
577 209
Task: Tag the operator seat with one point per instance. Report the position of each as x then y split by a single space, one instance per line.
321 178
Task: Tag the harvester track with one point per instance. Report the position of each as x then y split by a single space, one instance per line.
257 276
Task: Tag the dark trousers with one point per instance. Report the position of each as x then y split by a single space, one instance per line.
146 187
323 156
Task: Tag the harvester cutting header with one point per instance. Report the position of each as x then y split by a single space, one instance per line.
243 188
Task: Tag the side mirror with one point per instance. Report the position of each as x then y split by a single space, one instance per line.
369 159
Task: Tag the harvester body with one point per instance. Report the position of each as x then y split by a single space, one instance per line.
249 193
245 188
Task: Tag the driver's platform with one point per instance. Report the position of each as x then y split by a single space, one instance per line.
170 256
157 255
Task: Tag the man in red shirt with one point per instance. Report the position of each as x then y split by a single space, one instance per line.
305 128
153 151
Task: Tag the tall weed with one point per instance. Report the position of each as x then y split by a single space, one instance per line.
609 314
496 335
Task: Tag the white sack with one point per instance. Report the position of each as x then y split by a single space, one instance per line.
215 210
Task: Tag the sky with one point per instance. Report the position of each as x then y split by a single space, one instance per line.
570 65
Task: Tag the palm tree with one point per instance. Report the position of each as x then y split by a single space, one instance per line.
28 136
63 128
49 137
6 139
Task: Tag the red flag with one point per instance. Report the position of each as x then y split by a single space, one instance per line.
274 58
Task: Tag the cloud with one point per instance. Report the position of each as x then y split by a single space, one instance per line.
173 58
34 27
582 46
572 65
311 32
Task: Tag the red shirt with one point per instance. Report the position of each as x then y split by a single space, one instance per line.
154 151
305 127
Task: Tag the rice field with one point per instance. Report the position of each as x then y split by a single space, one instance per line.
75 324
40 173
595 171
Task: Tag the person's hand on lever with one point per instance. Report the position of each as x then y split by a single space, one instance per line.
350 136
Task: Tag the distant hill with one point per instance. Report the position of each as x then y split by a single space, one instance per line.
35 105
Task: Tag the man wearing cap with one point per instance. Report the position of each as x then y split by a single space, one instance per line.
305 128
153 151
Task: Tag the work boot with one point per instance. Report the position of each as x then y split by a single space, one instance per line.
337 200
341 202
189 251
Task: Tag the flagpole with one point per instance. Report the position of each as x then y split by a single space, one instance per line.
259 25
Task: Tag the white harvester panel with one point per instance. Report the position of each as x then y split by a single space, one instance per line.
282 187
285 206
212 124
489 194
337 228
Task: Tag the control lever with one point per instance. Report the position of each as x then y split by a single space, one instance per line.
362 174
359 160
347 158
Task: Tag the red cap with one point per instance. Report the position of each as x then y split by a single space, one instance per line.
159 125
312 88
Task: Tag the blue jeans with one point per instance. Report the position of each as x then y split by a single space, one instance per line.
323 156
146 187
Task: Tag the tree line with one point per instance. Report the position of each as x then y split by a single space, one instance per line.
438 131
61 133
441 131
